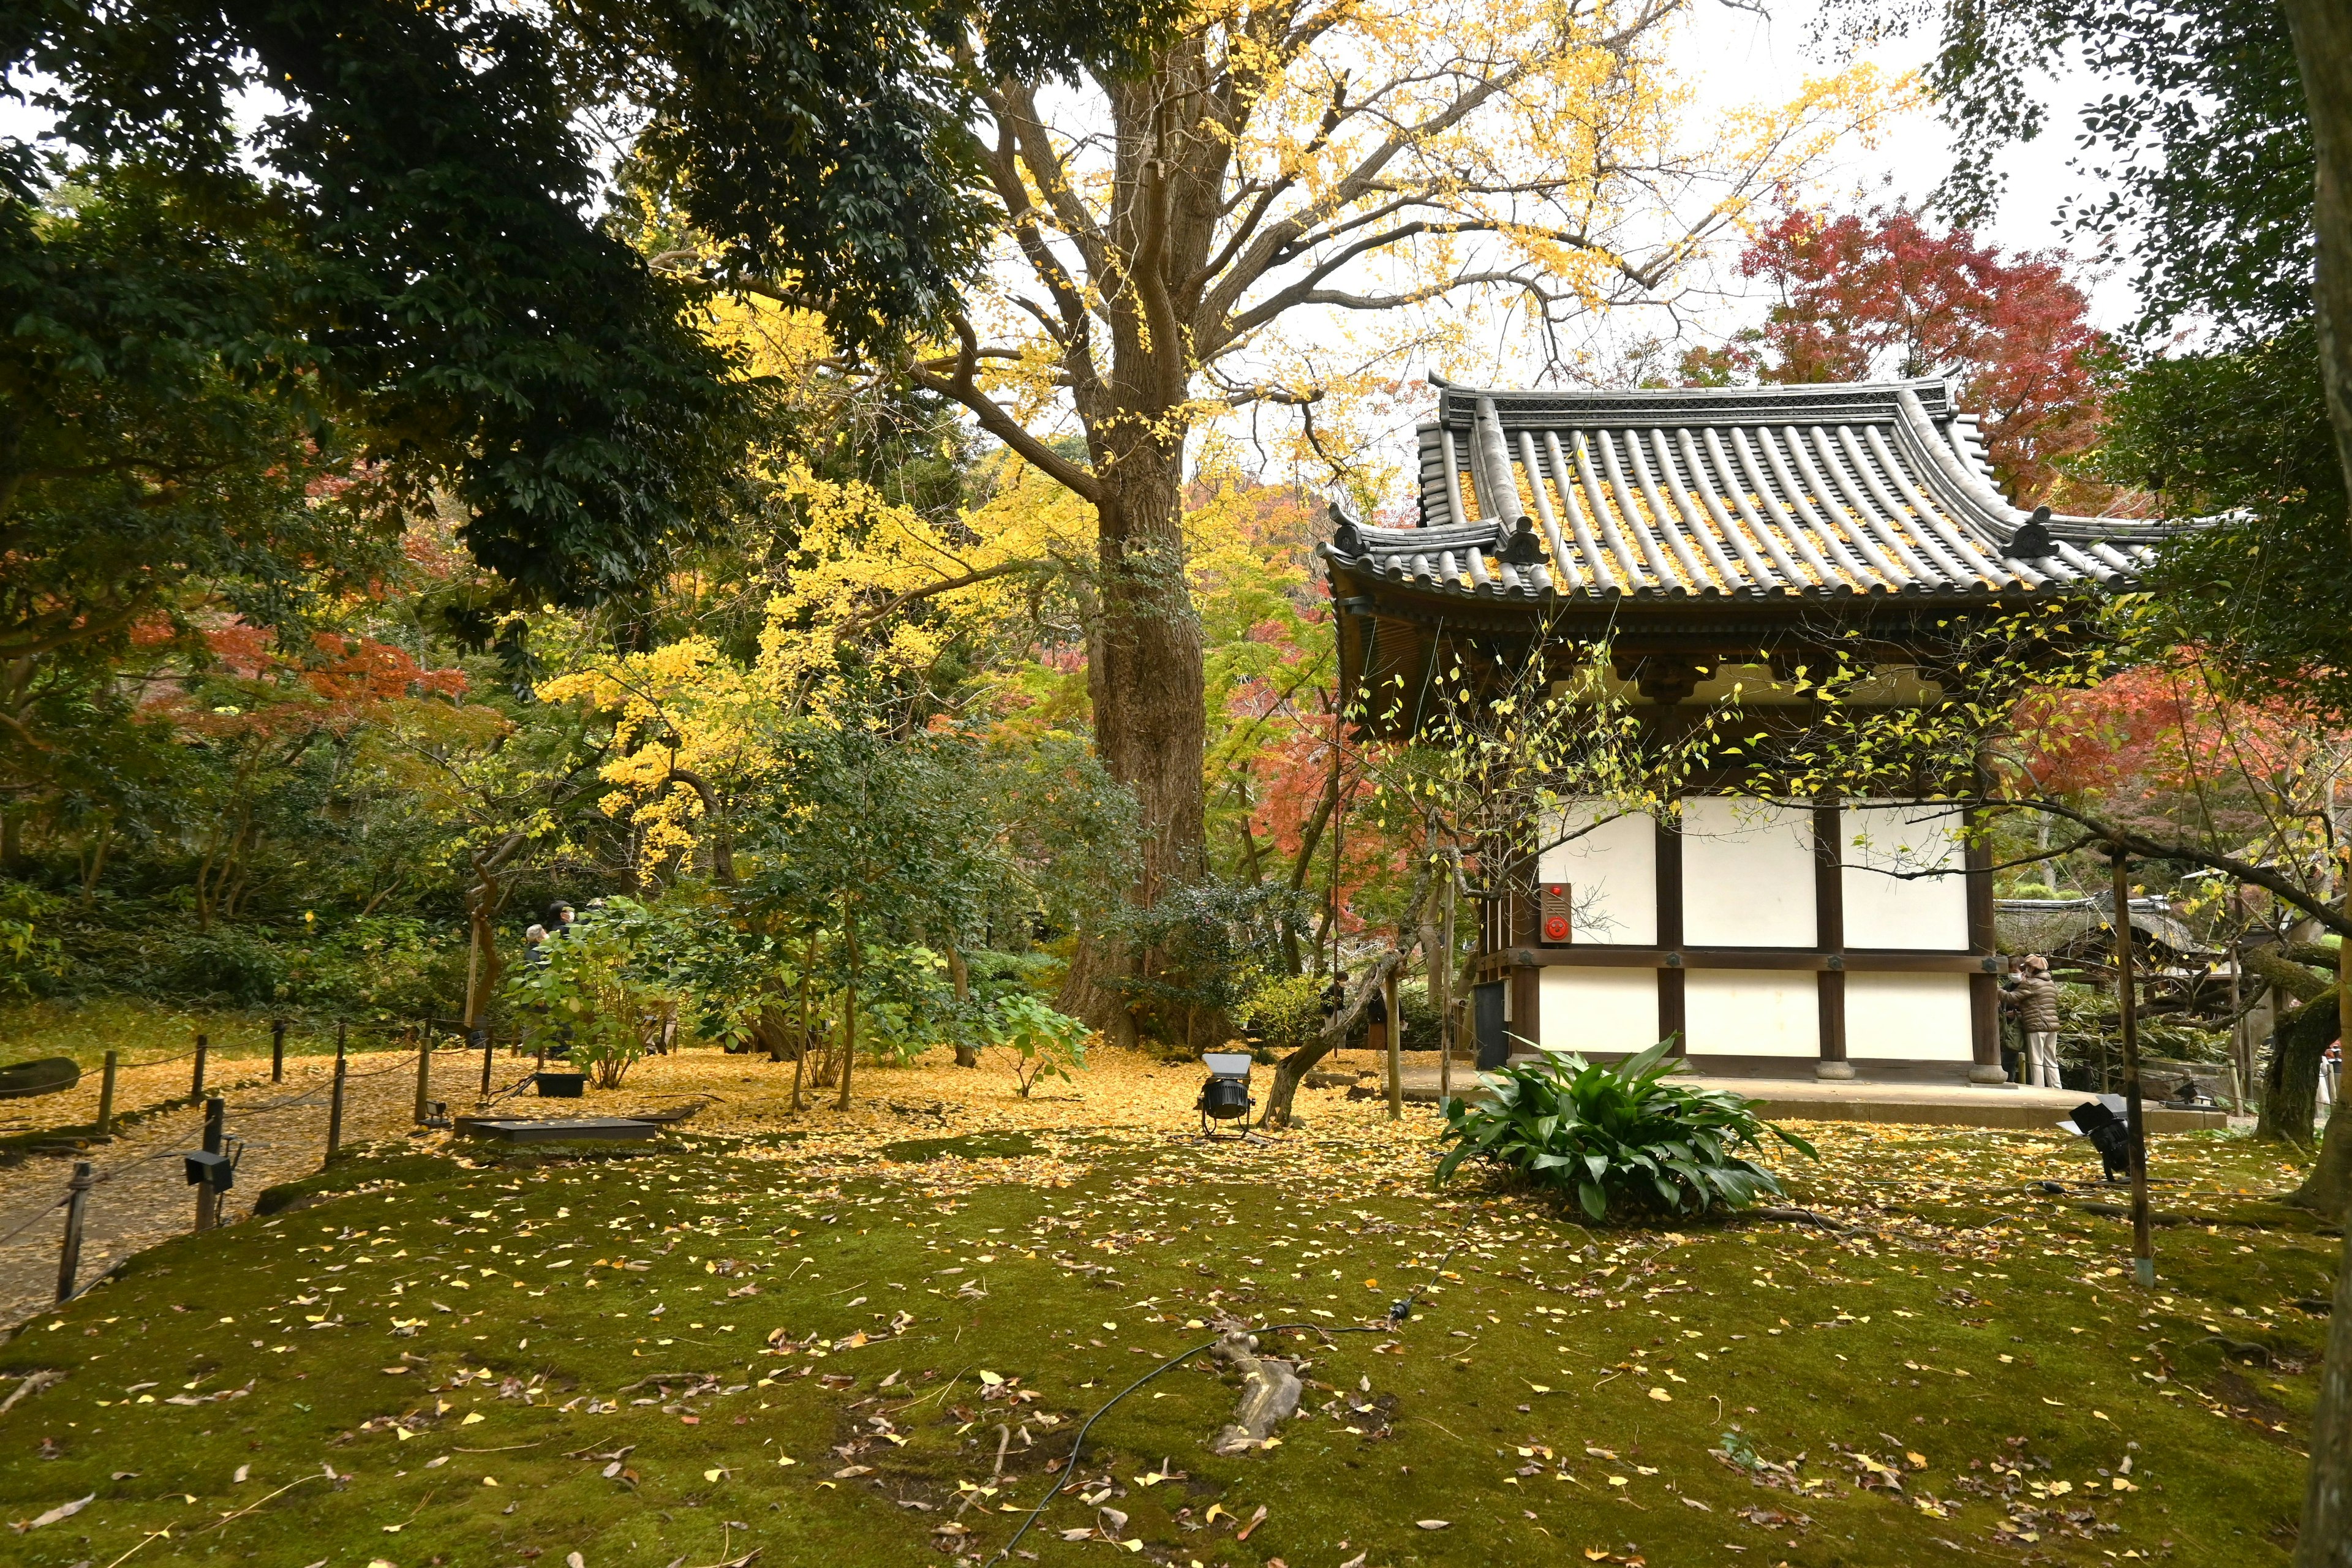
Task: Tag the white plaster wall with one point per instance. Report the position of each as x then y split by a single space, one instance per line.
1915 912
1747 874
1919 1018
1752 1012
1600 1010
1612 873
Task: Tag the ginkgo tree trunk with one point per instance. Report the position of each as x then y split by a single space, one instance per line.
1295 204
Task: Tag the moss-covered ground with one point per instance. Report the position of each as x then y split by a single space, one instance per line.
866 1340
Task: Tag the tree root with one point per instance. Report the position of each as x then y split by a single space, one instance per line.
1799 1216
49 1378
1270 1390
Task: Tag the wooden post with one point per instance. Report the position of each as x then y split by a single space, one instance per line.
1396 1051
1829 935
197 1090
1672 1015
1984 982
208 1197
277 1050
2143 1246
335 1104
77 1200
424 1073
106 1099
849 1012
1441 983
482 1037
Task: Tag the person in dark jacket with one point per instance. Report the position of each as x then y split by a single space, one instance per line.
2033 997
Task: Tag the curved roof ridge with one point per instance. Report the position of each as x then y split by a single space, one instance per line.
1869 487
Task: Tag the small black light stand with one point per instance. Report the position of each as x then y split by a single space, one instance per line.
217 1171
1226 1096
212 1173
2101 1122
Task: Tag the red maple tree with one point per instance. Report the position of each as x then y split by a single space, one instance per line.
1880 294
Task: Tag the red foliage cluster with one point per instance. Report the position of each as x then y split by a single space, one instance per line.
1880 294
343 678
2157 738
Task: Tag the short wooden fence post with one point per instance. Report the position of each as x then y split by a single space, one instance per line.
196 1090
77 1200
482 1038
424 1073
335 1103
207 1195
277 1050
1396 1049
106 1098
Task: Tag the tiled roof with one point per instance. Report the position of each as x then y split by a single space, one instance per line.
1754 492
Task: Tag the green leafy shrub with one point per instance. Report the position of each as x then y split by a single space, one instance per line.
238 963
1287 1012
1037 1041
28 954
606 988
1615 1134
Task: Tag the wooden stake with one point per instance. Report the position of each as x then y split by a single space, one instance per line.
849 1014
1396 1051
2143 1243
2238 1054
1441 977
424 1074
277 1050
197 1090
335 1104
77 1200
106 1099
482 1038
207 1197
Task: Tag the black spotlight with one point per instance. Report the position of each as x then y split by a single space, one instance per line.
217 1171
2101 1122
1226 1095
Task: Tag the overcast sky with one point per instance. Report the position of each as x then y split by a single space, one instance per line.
1736 55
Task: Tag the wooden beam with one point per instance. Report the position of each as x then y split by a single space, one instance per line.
1800 959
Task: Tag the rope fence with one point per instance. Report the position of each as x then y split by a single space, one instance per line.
211 1167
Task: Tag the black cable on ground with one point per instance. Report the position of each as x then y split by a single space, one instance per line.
1399 1312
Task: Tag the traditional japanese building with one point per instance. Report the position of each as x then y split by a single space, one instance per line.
1703 538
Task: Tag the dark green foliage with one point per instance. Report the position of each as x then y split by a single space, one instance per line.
1615 1134
2201 132
1215 941
138 461
860 196
2243 434
825 147
2202 137
418 261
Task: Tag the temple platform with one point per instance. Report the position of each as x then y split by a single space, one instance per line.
2010 1106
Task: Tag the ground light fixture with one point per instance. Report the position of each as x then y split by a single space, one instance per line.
1226 1096
217 1171
2101 1122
